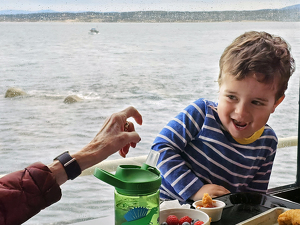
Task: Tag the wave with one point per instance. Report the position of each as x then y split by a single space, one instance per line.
56 95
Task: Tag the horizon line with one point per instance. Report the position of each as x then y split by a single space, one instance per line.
13 11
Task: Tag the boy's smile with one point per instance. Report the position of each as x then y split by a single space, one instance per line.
245 105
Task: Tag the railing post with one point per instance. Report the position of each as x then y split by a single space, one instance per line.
298 147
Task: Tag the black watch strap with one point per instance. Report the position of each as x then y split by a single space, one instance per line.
70 164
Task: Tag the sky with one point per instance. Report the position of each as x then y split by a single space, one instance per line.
143 5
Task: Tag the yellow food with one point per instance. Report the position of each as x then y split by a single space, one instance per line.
207 201
290 217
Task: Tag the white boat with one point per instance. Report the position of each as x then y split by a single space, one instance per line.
94 31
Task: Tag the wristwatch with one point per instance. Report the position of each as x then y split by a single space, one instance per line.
70 165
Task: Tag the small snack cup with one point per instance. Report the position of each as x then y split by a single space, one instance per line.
215 213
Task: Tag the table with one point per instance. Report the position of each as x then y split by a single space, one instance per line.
239 207
110 220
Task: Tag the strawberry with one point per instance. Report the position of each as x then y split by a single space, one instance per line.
185 219
199 223
172 220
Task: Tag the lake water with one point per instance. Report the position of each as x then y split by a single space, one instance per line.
157 68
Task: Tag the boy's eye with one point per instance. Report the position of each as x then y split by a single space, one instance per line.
231 97
257 103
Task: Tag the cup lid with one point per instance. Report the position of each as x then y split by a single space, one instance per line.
132 179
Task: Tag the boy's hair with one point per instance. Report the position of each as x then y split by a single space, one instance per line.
266 55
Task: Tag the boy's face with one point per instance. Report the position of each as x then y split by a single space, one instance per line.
245 105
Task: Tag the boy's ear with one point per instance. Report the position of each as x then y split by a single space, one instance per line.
278 102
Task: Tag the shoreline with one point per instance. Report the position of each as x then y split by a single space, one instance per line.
150 22
279 15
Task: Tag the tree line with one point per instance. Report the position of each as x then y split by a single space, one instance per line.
286 15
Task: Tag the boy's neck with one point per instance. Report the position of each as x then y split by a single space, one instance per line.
251 139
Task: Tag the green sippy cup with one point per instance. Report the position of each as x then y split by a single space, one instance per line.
136 192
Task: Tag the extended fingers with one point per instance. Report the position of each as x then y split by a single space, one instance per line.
132 112
117 123
123 152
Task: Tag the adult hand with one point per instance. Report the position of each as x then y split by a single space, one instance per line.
212 189
111 138
120 132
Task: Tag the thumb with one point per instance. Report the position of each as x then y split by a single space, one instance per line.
132 137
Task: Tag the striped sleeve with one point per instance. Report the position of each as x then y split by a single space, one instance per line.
170 143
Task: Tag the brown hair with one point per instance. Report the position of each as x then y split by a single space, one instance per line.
266 55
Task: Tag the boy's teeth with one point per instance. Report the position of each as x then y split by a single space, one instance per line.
239 124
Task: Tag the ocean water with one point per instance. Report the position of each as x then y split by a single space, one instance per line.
157 68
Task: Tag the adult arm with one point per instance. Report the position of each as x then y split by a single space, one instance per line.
24 193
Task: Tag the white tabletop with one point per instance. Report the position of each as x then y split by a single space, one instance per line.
106 220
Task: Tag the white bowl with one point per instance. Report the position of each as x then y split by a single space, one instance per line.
192 213
214 213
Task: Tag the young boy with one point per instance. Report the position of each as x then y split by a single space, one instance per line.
224 147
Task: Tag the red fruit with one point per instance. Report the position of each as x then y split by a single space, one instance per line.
199 223
172 220
185 219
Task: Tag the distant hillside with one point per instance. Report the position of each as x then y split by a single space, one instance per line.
297 7
15 12
287 14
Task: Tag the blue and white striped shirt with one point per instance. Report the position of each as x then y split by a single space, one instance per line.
196 150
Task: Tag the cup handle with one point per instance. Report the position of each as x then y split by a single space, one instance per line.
108 178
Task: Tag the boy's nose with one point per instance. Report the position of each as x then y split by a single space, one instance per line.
241 111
